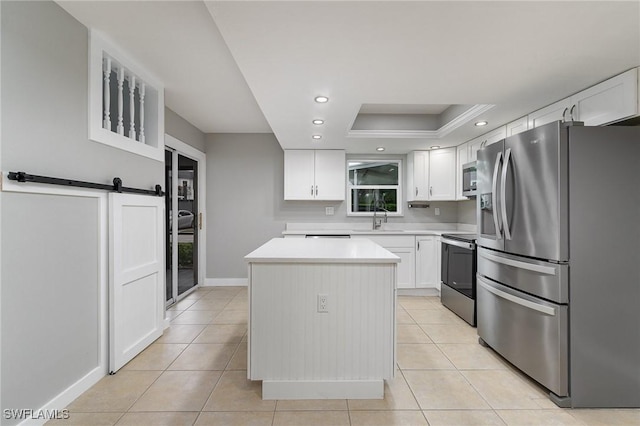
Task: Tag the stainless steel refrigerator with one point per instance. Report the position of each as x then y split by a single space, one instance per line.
558 282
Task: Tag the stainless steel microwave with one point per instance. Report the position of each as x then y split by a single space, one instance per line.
469 179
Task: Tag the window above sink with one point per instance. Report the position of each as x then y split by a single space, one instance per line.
374 183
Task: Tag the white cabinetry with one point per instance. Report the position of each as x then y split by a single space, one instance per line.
431 175
517 126
314 175
404 248
418 176
462 157
442 174
427 265
484 140
607 102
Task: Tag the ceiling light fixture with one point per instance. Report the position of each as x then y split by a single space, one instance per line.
380 148
318 122
321 99
435 147
317 137
482 123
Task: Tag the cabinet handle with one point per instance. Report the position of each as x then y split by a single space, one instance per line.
418 245
564 113
316 189
416 191
311 189
200 220
431 190
571 112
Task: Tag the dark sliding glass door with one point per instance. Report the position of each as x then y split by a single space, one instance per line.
182 219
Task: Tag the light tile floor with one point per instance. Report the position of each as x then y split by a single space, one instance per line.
195 374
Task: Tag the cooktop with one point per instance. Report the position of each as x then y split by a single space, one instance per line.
470 238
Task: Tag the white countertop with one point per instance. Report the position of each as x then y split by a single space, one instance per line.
321 250
364 229
407 232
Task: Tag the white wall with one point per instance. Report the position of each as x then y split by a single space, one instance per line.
246 207
184 131
50 273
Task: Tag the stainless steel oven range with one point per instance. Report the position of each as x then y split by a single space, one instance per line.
458 286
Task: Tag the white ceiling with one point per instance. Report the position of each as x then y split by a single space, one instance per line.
247 67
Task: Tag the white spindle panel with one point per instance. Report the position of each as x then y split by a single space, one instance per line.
142 90
120 127
290 340
107 93
132 107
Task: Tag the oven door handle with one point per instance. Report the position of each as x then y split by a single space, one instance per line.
458 243
517 300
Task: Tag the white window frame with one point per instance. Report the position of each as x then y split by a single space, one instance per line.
398 187
153 147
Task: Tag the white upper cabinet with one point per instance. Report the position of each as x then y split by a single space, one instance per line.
314 174
609 101
612 100
462 157
553 112
431 175
484 140
442 174
418 176
517 126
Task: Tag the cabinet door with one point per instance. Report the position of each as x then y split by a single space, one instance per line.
418 176
330 175
442 174
462 157
299 174
474 147
495 135
406 267
550 113
518 126
609 101
427 267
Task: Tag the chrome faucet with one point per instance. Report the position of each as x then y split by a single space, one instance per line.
377 223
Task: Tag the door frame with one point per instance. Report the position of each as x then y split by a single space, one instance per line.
186 150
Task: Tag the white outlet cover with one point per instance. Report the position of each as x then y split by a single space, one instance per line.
329 211
437 210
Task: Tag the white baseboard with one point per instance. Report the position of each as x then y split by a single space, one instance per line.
68 395
322 389
167 322
225 282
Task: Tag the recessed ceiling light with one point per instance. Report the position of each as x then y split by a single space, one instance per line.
482 123
380 148
318 122
317 137
435 147
321 99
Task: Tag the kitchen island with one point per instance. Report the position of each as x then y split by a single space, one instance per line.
321 318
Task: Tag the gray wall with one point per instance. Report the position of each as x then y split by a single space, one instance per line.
48 267
182 130
246 207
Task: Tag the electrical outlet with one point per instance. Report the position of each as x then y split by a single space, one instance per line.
323 303
328 211
437 210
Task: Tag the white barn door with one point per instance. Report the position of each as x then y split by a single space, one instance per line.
136 275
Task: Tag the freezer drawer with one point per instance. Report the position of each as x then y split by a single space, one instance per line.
547 280
531 333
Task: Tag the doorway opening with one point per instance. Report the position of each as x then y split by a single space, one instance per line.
183 223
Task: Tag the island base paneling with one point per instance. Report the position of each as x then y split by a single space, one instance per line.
301 353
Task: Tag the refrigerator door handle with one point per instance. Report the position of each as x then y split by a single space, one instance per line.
503 195
494 191
517 300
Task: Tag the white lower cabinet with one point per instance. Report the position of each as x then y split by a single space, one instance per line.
427 263
404 248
